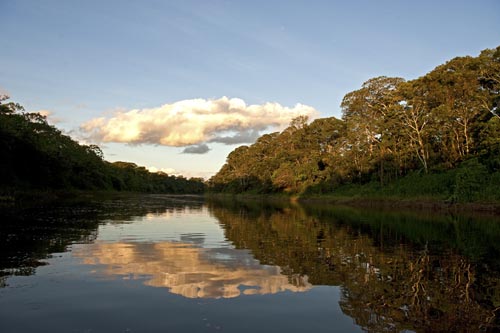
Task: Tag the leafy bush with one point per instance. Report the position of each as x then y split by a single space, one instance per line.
470 178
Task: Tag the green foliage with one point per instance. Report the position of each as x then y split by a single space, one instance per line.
37 156
436 136
289 162
471 176
417 184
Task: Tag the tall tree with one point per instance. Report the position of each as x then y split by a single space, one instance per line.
454 92
489 68
369 116
417 123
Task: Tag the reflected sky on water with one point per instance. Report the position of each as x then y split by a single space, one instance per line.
157 263
185 252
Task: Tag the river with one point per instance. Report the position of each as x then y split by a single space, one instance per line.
154 263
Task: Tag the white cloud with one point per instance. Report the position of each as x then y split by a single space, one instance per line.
168 171
194 122
184 173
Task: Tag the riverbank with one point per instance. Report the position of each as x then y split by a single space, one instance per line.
413 203
416 204
36 198
433 204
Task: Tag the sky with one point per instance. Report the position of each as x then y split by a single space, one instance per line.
177 85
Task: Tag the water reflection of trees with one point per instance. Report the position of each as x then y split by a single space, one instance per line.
390 280
32 233
408 290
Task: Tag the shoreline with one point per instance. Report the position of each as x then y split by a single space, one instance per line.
415 204
27 198
409 204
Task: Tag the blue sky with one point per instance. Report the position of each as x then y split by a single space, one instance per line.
88 60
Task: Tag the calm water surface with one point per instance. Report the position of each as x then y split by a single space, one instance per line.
180 264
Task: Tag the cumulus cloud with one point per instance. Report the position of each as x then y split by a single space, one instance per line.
194 122
198 149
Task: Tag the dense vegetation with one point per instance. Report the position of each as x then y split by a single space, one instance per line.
435 136
37 156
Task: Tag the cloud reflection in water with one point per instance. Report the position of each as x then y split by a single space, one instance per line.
188 270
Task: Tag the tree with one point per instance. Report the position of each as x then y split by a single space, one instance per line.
458 104
10 107
369 116
489 78
417 123
389 128
36 155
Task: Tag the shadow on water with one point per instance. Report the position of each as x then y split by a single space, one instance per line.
396 271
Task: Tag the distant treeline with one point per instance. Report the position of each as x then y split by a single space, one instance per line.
438 135
37 156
